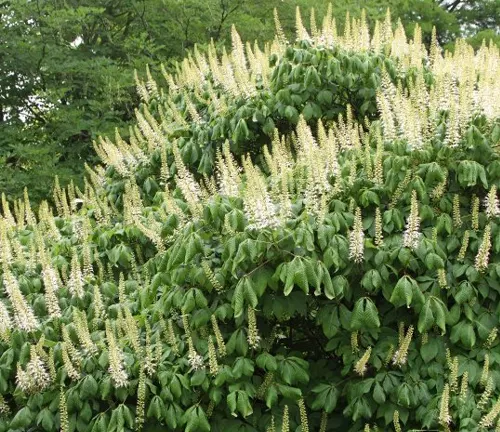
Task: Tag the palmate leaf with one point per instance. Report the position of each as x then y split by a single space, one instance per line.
196 420
430 350
329 288
238 401
372 280
295 273
300 275
426 317
464 333
406 292
271 396
328 317
326 397
194 246
267 362
249 292
403 292
433 312
364 315
101 424
239 297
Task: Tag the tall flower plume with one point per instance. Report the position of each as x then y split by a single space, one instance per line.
24 318
116 368
357 239
411 236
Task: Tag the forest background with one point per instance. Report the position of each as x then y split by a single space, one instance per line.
67 67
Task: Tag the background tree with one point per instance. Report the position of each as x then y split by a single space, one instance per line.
66 68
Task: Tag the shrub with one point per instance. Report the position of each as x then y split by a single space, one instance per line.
342 273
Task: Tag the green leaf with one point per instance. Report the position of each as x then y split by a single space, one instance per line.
243 404
156 408
231 402
193 421
467 335
88 387
429 350
378 394
364 315
267 362
243 367
434 261
325 97
249 293
271 396
238 298
22 419
46 419
403 292
300 277
289 392
291 114
203 425
198 377
426 317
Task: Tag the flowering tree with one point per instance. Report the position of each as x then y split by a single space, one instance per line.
303 237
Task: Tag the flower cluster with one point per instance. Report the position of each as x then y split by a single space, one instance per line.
35 377
259 207
253 337
401 354
483 254
212 357
444 408
116 368
24 318
491 204
357 239
221 346
195 360
304 425
360 366
5 323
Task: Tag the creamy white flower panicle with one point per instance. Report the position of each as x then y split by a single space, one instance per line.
51 285
195 360
75 283
361 365
228 172
302 34
317 163
258 205
36 376
411 236
116 369
5 322
187 184
24 318
253 337
483 254
71 370
488 420
357 239
444 410
83 333
401 355
491 204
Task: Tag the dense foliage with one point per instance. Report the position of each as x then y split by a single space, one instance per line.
298 237
67 67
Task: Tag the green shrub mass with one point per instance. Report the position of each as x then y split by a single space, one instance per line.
301 237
